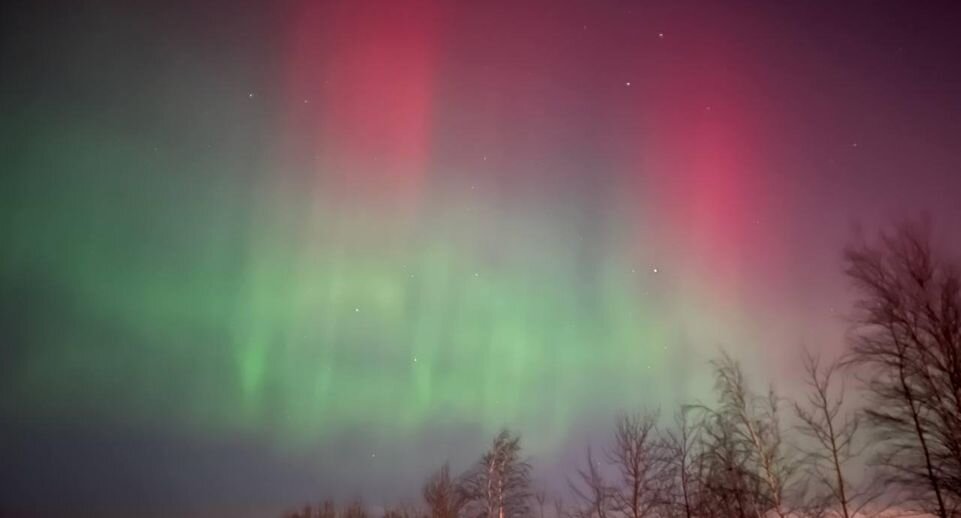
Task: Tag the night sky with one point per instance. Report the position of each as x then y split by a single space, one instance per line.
259 254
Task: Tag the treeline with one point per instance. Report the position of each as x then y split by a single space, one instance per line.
895 444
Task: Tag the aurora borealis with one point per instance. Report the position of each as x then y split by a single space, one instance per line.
335 244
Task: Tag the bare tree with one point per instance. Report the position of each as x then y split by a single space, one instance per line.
327 509
560 509
443 496
634 457
591 491
402 511
907 338
677 455
355 510
831 433
540 496
724 470
755 426
499 485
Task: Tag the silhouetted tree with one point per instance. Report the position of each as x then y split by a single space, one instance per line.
594 495
499 485
402 511
326 509
677 455
832 435
560 509
443 496
749 428
729 485
354 510
906 340
634 455
540 496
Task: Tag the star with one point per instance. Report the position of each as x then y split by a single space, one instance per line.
305 101
655 270
415 359
251 95
660 35
356 310
627 83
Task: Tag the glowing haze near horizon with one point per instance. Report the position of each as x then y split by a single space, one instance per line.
321 248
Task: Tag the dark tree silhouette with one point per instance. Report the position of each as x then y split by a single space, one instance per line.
634 455
499 486
354 510
832 437
724 470
403 511
594 496
677 455
327 509
540 496
906 342
746 438
444 498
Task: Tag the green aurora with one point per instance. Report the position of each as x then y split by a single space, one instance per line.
176 293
